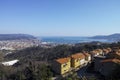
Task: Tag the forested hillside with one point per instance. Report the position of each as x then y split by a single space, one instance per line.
35 62
48 54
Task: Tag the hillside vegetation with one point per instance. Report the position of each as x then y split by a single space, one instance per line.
35 61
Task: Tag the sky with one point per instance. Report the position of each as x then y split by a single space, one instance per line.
60 17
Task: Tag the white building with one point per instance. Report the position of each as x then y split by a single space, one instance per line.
10 63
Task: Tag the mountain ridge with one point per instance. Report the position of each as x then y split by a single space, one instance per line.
114 37
16 36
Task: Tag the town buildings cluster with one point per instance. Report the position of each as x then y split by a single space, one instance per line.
104 61
18 44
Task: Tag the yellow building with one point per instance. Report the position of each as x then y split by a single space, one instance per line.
77 60
62 65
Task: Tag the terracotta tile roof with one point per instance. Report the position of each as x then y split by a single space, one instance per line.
117 53
94 52
109 49
78 55
111 60
87 54
99 50
106 51
63 60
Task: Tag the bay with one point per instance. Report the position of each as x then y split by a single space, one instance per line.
70 40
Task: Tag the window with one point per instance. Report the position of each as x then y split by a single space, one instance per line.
77 60
64 70
65 64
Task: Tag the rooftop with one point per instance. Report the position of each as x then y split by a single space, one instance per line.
87 54
63 60
111 60
78 55
106 51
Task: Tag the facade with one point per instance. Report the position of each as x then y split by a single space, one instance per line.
114 55
62 65
109 49
87 57
116 49
106 51
97 52
77 60
104 60
94 53
100 51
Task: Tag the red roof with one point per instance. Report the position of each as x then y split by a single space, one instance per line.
86 54
63 60
111 60
78 55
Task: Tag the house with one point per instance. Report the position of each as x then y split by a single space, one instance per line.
114 55
116 51
106 51
105 66
100 51
116 48
117 54
108 66
62 65
109 49
95 53
77 60
87 57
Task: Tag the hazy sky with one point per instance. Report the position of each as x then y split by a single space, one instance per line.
60 17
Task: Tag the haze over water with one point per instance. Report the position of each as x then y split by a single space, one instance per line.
70 40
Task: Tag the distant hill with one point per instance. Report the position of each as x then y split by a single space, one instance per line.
114 37
16 36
